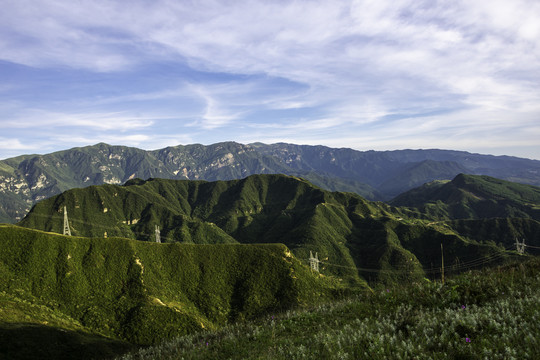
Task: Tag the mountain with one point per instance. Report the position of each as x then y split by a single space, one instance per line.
384 167
375 175
356 239
98 290
474 197
494 311
417 173
27 179
231 251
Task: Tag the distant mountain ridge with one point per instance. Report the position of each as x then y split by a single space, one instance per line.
375 175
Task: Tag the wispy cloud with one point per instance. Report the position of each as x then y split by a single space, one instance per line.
42 119
217 112
12 144
361 68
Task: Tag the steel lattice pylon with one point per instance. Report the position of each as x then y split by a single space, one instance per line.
67 230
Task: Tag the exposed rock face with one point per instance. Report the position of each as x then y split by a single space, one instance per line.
375 175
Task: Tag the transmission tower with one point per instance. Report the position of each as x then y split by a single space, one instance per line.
158 234
442 264
67 231
313 261
520 246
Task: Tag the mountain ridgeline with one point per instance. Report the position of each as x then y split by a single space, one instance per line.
235 250
474 197
375 175
356 239
141 292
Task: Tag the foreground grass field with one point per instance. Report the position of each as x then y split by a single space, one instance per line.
73 297
488 314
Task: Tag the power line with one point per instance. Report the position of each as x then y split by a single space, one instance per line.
157 236
472 263
466 265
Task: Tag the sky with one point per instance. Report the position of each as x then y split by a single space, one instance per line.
367 75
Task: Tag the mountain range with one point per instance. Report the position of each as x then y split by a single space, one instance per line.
375 175
235 250
356 239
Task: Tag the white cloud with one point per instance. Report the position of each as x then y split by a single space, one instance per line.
129 140
45 119
351 63
12 144
302 125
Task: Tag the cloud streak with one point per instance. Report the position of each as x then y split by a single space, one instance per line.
40 119
229 70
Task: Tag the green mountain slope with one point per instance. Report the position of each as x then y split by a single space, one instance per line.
375 175
144 292
474 197
503 231
417 174
486 314
349 233
27 179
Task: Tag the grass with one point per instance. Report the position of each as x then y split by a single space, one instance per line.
31 330
33 341
488 314
119 291
344 229
101 296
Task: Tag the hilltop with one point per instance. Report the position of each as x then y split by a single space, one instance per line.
356 239
474 197
107 293
375 175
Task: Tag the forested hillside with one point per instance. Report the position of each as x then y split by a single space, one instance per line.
349 233
375 175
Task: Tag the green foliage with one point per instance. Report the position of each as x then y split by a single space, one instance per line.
348 232
491 314
258 209
46 342
146 292
502 232
474 197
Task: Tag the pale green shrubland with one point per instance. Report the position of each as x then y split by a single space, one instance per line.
389 324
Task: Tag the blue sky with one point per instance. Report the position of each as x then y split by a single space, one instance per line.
379 75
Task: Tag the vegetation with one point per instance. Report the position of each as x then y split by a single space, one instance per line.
23 341
375 175
474 197
102 290
231 280
347 231
488 314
